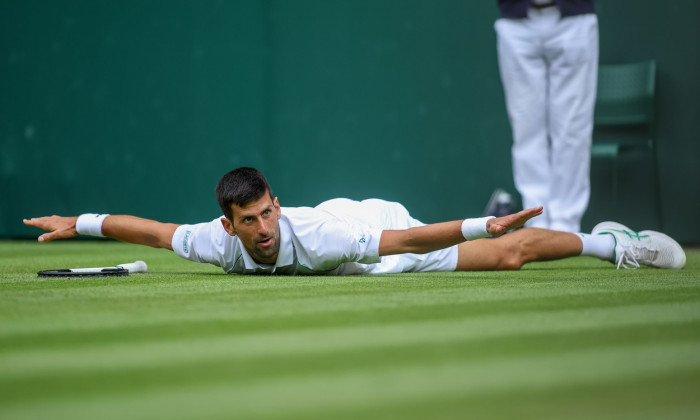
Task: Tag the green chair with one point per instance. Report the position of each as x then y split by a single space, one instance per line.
624 117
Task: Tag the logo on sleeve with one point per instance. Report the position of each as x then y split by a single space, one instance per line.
362 240
184 241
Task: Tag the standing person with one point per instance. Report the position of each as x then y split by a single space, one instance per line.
340 236
548 60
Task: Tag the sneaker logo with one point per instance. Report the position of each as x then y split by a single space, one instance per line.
631 235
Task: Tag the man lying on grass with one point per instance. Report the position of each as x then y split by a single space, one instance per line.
343 236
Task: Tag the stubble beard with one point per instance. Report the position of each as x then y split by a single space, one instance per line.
266 253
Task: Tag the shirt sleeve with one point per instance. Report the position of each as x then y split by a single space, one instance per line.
325 242
203 243
352 242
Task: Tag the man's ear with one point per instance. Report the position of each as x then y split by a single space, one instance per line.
228 226
276 204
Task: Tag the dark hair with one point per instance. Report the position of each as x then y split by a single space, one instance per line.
240 187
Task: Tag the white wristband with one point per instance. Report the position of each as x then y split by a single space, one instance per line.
90 224
475 228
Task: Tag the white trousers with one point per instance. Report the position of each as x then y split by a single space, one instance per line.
549 70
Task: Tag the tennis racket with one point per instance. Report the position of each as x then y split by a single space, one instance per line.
115 271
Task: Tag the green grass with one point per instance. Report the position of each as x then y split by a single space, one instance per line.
572 339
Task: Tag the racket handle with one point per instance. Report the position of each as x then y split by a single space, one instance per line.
135 267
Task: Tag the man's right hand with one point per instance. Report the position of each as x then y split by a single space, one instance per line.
59 227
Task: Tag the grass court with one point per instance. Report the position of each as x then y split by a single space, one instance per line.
572 339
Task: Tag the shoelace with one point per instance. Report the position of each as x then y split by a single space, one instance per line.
629 256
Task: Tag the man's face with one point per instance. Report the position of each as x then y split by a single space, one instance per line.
257 226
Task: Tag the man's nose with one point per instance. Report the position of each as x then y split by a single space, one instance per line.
262 227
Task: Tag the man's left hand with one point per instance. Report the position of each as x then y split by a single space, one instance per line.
500 225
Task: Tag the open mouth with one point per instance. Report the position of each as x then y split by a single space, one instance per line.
265 242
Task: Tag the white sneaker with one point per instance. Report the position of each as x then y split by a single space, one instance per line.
647 247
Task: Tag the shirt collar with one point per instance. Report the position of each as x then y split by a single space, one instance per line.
286 254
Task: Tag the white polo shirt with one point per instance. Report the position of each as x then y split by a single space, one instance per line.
337 237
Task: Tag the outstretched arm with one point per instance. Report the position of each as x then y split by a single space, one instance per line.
428 238
124 228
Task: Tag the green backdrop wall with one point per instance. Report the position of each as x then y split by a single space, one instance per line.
139 106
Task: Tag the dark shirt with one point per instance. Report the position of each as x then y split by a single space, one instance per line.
517 9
